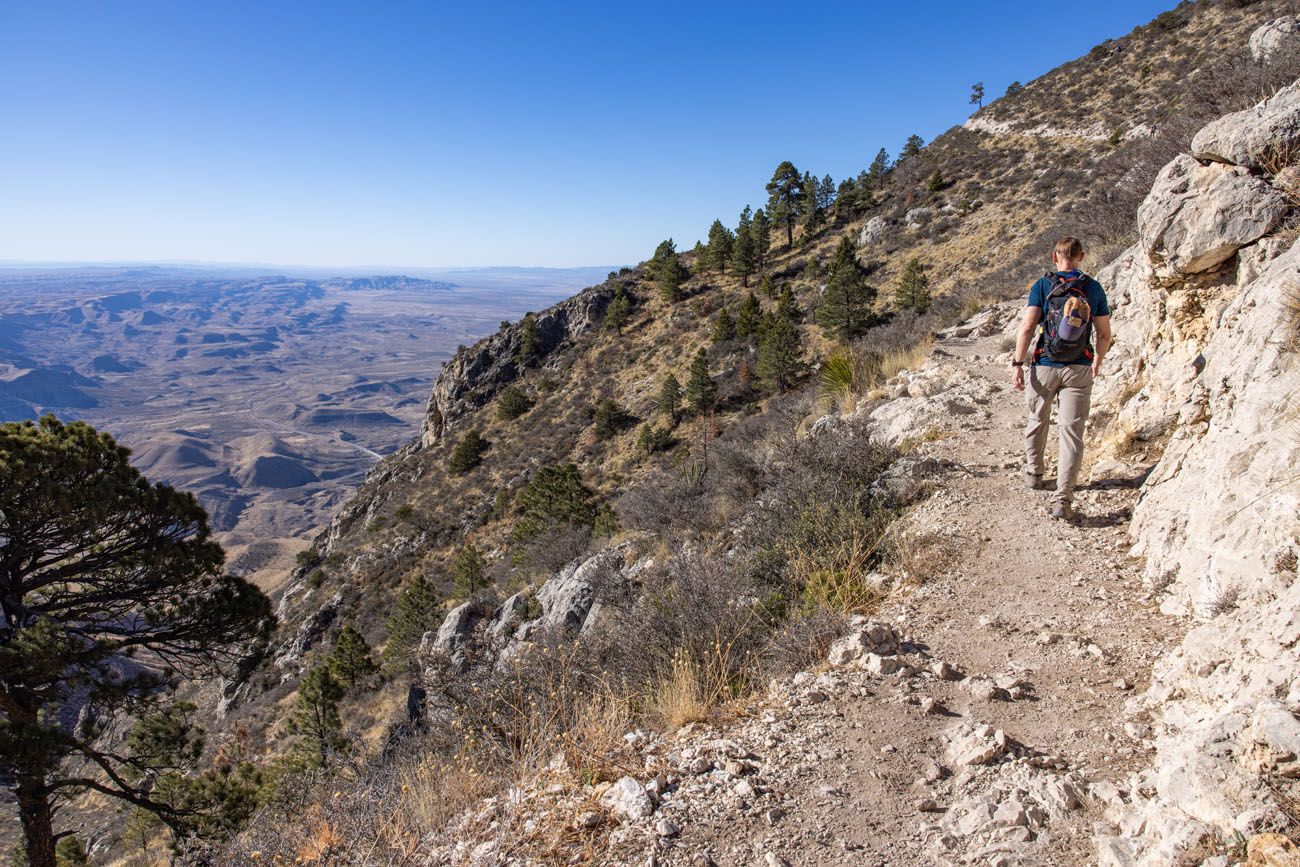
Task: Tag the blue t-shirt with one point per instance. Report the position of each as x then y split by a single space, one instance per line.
1096 301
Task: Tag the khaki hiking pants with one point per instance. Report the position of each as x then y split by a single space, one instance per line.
1072 385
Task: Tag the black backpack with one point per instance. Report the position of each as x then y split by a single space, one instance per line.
1067 344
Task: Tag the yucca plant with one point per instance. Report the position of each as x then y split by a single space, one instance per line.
839 377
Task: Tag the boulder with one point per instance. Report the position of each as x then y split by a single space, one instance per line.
453 636
868 637
1250 137
1196 217
1273 740
976 745
906 480
873 231
628 800
1274 38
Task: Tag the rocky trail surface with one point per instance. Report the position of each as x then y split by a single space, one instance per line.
976 717
985 722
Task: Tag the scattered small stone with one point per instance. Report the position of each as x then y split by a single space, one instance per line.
944 671
667 828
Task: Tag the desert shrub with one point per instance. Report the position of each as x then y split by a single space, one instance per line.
610 419
513 403
653 439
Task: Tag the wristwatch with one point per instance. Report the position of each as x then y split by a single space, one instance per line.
1017 364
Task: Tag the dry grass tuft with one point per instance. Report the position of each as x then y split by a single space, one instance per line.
1291 304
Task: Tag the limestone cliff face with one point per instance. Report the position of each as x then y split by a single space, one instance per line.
474 375
1205 361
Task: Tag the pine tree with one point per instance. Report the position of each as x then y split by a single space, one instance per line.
761 229
619 311
315 718
528 353
701 390
825 193
936 182
747 318
418 610
767 287
1014 87
787 306
554 496
912 147
845 308
667 270
468 453
100 565
670 397
720 243
879 168
913 292
744 259
785 197
977 94
779 353
724 328
468 572
846 200
350 661
810 207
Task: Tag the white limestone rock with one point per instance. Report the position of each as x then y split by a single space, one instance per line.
1245 138
1273 38
1196 217
627 799
976 745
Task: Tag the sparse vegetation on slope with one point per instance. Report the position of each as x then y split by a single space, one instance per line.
680 419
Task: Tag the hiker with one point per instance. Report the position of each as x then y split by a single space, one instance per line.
1071 305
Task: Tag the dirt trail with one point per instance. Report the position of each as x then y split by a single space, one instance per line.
838 776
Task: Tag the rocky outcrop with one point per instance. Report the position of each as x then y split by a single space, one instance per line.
569 603
1203 360
1197 216
474 375
1256 137
1274 38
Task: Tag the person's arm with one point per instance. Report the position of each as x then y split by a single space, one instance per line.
1026 334
1101 324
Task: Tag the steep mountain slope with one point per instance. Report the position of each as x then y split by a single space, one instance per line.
1010 186
709 523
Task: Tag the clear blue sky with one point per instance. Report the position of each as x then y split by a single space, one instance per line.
439 134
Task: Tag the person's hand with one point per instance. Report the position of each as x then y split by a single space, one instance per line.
1096 367
1018 378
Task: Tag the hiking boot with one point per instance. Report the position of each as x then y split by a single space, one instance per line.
1033 482
1062 512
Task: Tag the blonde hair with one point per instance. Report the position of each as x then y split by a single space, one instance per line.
1069 247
